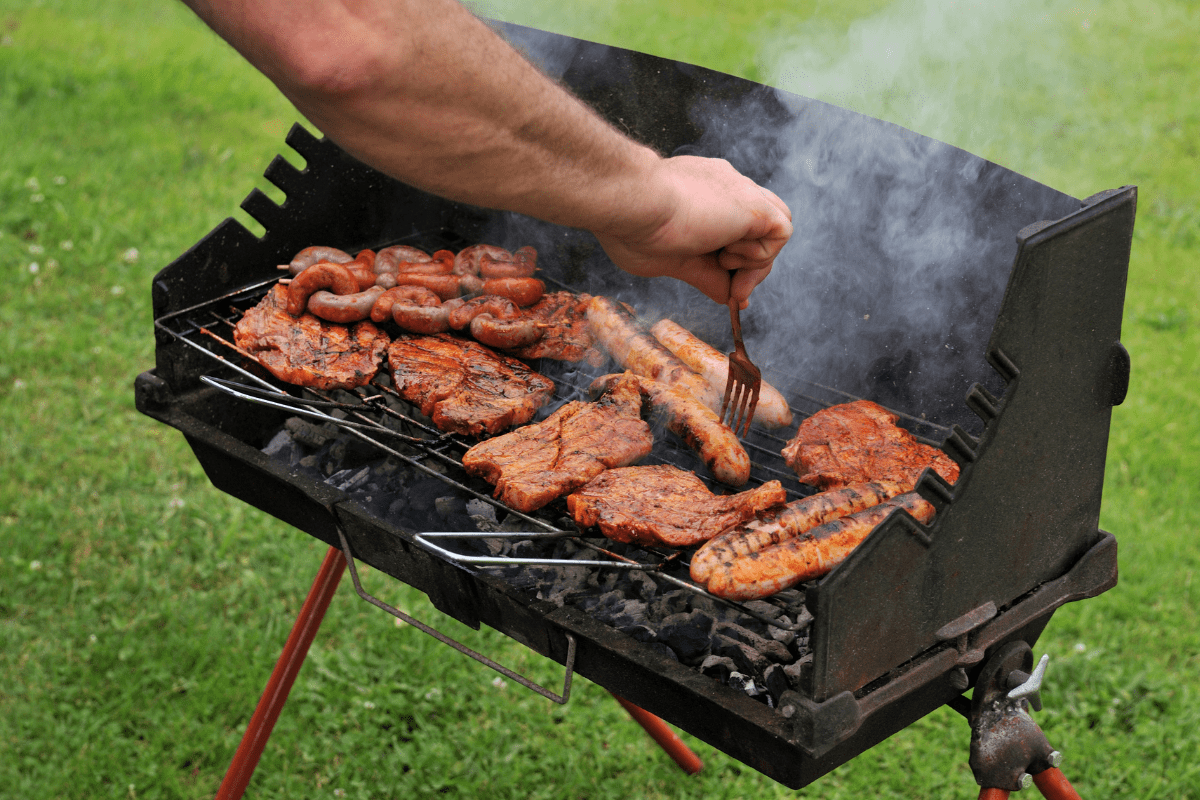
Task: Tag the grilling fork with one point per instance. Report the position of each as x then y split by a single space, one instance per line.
744 381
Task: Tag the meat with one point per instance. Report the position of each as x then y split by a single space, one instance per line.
782 566
306 351
698 426
538 463
789 522
711 364
565 335
664 505
464 387
858 442
619 333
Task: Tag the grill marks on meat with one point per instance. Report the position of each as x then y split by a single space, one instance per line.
464 387
538 463
794 519
664 505
565 336
858 442
804 558
307 351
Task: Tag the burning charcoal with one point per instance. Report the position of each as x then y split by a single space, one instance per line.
565 548
795 671
782 635
525 548
659 647
718 667
283 447
776 682
672 602
687 634
748 660
643 585
638 630
309 434
348 479
762 607
483 515
745 683
770 648
310 462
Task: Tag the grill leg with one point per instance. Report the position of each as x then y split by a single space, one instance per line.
660 732
282 678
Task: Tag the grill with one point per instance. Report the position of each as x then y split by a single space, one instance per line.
1022 319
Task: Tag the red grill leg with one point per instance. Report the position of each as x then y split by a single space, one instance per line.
993 794
282 678
667 739
1054 785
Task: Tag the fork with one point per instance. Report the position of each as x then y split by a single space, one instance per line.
744 381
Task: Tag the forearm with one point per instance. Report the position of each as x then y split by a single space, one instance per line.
427 93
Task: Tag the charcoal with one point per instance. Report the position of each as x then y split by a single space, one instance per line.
642 585
782 635
687 634
310 434
636 609
396 509
747 684
638 630
310 462
565 548
348 453
659 647
748 660
283 447
718 667
773 650
762 607
349 479
668 603
388 467
775 680
483 515
795 671
525 548
448 507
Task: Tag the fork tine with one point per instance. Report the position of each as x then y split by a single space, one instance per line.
743 382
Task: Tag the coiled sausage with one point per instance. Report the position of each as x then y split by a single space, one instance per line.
416 295
498 307
324 275
522 291
490 267
344 307
317 253
467 260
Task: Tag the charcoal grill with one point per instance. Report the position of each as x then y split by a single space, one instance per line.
1013 370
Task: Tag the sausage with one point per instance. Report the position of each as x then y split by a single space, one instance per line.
490 267
772 410
387 259
695 423
526 254
467 260
360 268
325 275
522 291
344 307
416 295
505 334
444 286
421 319
614 327
317 253
498 307
366 257
794 519
782 566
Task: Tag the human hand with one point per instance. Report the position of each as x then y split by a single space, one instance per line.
706 224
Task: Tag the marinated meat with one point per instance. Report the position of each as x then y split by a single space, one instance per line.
463 386
307 351
782 566
622 336
695 423
566 336
664 505
859 442
538 463
794 519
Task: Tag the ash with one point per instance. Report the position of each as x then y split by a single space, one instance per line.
717 639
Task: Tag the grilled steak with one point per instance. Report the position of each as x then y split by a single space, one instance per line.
664 505
566 336
810 556
463 386
535 464
859 442
307 351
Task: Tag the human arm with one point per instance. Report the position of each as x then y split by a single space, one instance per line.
424 91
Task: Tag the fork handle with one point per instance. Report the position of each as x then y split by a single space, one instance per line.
735 319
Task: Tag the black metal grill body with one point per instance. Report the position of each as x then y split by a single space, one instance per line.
901 627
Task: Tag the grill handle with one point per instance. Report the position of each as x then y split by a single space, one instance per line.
462 648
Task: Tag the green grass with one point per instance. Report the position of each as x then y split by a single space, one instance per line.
141 610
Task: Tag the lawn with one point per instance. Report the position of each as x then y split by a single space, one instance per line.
141 610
